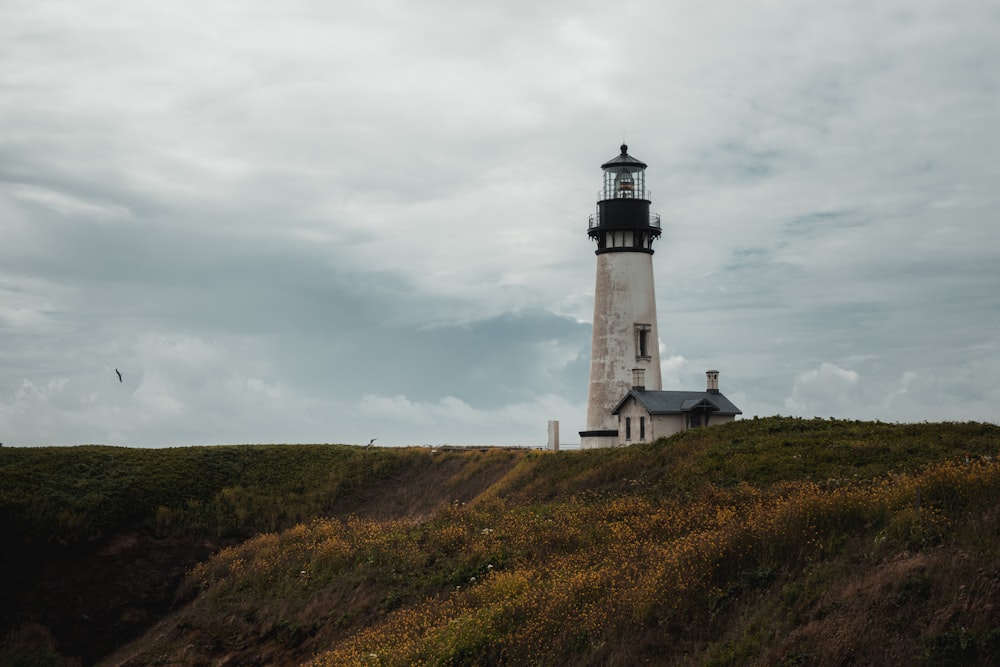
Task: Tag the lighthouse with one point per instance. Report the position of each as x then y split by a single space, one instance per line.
625 348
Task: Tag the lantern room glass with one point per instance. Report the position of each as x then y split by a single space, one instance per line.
624 183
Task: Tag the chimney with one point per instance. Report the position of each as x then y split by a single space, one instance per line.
713 382
638 379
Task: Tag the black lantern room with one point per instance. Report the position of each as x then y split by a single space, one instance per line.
623 222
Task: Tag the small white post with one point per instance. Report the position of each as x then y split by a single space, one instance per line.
553 435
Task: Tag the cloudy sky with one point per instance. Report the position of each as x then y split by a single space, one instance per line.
317 221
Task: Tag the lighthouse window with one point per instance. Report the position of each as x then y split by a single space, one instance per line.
642 335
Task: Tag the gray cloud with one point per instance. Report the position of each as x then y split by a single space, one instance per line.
312 222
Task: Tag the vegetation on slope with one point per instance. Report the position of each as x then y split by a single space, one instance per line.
77 495
731 545
772 541
97 539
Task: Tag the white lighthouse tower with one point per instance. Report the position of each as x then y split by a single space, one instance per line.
624 351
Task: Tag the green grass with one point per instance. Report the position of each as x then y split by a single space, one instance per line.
82 494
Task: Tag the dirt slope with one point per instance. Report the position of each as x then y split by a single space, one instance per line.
89 601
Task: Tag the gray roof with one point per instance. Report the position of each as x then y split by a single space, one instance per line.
677 402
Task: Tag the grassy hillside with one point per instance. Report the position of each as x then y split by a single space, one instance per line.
77 495
772 541
97 539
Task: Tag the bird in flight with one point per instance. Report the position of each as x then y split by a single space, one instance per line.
119 375
371 442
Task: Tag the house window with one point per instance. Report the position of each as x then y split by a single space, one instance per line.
642 429
628 428
642 341
694 420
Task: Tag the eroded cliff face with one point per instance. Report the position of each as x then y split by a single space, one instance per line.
88 601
